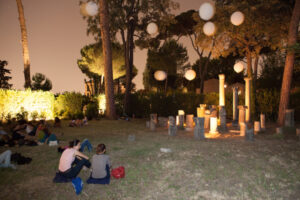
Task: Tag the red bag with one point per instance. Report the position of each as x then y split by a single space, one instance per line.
118 172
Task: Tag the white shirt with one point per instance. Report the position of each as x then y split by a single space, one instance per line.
66 159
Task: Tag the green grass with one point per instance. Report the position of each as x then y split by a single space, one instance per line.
221 168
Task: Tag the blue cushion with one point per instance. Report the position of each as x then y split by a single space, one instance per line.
77 184
61 179
103 181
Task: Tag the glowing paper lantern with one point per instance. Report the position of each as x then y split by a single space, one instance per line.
160 75
206 11
237 18
209 28
190 74
83 11
152 28
91 8
238 67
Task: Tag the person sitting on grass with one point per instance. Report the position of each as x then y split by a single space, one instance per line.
72 161
100 167
47 137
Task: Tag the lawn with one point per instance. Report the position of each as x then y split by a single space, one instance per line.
226 167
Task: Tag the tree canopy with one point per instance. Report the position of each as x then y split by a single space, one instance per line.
41 82
4 78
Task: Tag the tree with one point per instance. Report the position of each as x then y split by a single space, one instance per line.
40 82
3 77
170 57
24 44
129 18
289 64
107 52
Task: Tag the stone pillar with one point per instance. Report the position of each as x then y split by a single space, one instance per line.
206 119
153 121
256 127
189 122
249 135
247 98
180 121
279 130
242 110
172 126
243 129
235 103
198 111
262 122
199 128
222 116
213 125
213 111
221 90
289 118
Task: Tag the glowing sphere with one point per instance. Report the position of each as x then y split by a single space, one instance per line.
83 10
237 18
206 11
209 28
238 67
152 28
190 74
91 8
160 75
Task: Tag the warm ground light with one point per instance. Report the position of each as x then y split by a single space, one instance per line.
225 167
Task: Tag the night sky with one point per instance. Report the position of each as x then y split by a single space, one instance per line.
56 33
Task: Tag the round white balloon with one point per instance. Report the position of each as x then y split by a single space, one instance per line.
160 75
237 18
238 67
206 11
152 28
209 28
190 74
83 11
91 8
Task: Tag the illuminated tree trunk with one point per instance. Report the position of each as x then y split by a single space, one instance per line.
289 64
107 54
24 45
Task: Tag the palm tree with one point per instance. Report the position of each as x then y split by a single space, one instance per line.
107 54
24 44
289 64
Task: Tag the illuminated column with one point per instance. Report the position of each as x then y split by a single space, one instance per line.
235 114
202 110
213 125
189 122
221 90
262 122
247 98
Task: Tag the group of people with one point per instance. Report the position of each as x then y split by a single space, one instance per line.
78 122
73 160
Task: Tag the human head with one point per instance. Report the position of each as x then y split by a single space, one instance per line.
100 148
75 144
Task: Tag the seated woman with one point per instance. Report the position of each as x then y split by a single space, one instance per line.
100 167
72 161
46 136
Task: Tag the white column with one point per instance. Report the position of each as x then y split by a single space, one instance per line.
247 98
235 104
221 90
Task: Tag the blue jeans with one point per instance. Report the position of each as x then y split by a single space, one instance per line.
5 159
86 143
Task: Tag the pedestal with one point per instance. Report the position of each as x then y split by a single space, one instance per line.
199 128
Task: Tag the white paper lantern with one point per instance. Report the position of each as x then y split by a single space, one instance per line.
91 8
160 75
238 67
190 74
206 11
237 18
83 11
209 28
152 28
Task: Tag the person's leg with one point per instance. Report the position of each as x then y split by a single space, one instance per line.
86 143
78 164
5 159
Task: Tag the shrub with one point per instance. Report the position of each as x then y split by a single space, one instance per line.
92 110
69 104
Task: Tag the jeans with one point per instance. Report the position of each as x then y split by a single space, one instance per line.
86 143
77 165
5 159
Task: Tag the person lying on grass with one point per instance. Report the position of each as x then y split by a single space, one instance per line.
72 160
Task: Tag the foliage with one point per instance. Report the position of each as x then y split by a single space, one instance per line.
92 110
268 102
4 78
69 104
40 82
26 104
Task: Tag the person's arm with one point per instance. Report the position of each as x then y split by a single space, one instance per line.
78 153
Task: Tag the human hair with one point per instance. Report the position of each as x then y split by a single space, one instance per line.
100 148
74 143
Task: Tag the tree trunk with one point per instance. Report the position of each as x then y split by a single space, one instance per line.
24 45
107 54
204 73
289 64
